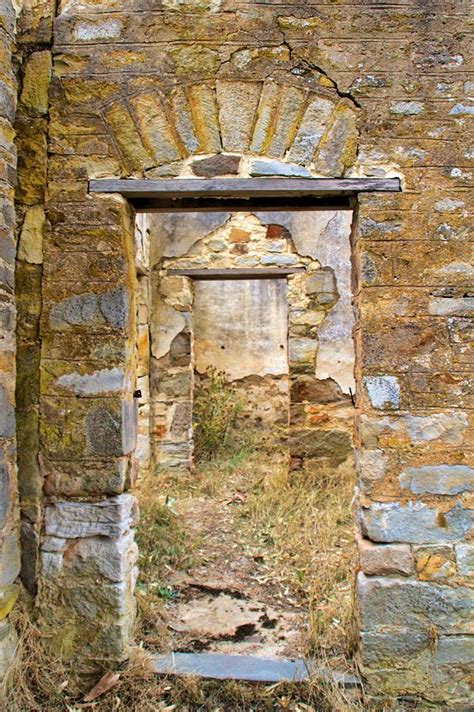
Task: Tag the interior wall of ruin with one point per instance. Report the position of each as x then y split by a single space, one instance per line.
285 346
161 88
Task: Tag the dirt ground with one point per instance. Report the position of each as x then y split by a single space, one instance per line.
230 601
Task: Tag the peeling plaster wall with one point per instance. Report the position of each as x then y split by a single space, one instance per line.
240 328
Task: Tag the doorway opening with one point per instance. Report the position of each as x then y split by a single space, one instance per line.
246 537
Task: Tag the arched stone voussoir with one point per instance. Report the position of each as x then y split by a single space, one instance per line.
313 132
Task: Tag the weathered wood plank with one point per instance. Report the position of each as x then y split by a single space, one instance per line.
242 187
254 273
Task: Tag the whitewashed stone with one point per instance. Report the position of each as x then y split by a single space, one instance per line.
383 391
407 108
278 168
165 325
89 31
72 520
108 380
253 344
173 234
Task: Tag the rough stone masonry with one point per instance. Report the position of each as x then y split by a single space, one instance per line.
152 88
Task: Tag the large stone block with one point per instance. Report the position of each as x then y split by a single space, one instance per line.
438 479
88 310
37 75
95 476
311 130
91 558
456 650
237 103
413 605
110 518
385 559
102 427
440 429
395 648
414 522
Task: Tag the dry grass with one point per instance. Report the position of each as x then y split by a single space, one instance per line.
303 527
38 683
308 529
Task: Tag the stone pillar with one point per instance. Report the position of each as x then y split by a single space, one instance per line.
88 430
31 126
9 516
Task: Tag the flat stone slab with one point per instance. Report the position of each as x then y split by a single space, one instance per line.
246 667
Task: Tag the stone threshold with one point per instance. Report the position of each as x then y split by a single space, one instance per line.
248 668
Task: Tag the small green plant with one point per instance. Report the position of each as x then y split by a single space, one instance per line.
160 537
215 411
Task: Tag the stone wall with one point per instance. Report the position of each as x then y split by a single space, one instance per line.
140 88
9 515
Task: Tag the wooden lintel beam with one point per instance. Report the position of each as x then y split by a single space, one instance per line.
242 187
248 273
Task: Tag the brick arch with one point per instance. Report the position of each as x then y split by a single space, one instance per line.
155 131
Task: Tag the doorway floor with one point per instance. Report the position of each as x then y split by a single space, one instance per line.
262 564
230 601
